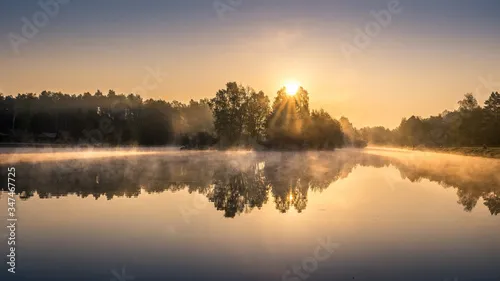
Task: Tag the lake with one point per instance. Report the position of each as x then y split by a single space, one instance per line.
373 214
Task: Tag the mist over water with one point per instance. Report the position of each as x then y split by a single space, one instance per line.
283 175
463 167
34 155
395 214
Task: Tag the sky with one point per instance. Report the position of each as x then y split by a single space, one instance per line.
373 61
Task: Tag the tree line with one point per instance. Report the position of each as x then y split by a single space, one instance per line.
236 117
469 125
99 119
245 117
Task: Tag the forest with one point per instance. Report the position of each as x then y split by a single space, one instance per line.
470 125
236 117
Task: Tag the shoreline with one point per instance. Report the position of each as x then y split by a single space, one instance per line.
489 152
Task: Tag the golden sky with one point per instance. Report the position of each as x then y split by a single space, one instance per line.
419 63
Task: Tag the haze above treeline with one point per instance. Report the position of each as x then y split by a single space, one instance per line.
236 116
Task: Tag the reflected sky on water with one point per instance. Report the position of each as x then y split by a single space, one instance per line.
392 215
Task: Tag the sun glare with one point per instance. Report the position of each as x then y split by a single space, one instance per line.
292 88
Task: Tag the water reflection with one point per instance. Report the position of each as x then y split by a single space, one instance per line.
236 183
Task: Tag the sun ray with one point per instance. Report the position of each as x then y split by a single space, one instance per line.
278 112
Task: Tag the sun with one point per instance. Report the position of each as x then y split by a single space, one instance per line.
292 88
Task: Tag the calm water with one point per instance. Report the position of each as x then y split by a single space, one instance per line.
345 215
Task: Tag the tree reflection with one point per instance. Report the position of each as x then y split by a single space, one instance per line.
473 180
236 190
237 183
492 201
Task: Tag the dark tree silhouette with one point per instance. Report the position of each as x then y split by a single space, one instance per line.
99 119
470 125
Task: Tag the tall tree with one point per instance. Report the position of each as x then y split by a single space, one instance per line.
257 111
228 111
470 128
289 118
492 118
323 131
468 103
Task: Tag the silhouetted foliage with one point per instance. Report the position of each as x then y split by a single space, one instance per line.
352 136
323 132
242 117
469 125
236 117
229 114
100 119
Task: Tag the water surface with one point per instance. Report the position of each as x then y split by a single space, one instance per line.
344 215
